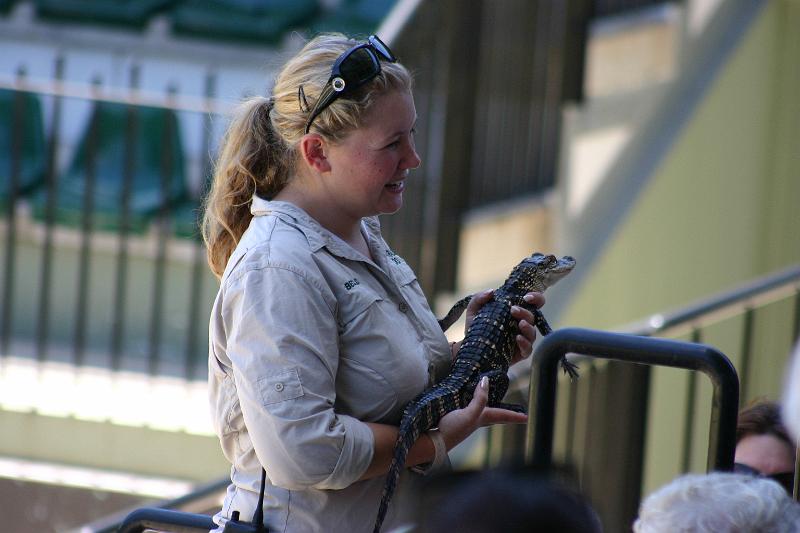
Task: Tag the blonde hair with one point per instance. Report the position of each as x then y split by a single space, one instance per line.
259 151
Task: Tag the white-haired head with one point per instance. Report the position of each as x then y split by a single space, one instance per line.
719 502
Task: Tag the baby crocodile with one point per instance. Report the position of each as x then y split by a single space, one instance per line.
485 351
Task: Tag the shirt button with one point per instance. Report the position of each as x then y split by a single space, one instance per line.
403 307
279 387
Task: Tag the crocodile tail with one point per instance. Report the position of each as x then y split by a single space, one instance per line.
406 437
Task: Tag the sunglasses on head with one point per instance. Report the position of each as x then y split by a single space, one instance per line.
785 479
351 70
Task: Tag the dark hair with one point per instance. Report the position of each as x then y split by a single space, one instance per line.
762 417
507 501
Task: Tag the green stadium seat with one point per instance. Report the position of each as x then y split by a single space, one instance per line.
354 17
260 21
5 5
186 220
132 13
187 216
157 144
32 152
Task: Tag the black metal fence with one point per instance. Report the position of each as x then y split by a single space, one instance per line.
102 264
102 260
603 420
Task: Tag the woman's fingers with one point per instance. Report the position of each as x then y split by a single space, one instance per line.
526 337
480 398
457 425
492 415
527 331
495 415
477 301
534 298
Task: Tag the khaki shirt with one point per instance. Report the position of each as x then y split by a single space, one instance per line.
308 340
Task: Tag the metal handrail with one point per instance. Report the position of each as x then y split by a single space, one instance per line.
764 290
154 518
192 500
129 96
634 349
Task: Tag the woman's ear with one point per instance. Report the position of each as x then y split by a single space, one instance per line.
314 150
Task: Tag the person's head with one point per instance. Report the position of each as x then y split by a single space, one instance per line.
763 446
511 501
719 502
267 144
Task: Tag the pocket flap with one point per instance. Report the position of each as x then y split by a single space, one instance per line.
281 386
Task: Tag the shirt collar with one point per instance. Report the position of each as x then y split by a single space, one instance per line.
317 236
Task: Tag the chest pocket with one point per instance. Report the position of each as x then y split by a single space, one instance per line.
356 302
402 272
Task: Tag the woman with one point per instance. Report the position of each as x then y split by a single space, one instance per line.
763 445
320 334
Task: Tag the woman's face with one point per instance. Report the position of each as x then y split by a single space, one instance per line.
370 166
766 453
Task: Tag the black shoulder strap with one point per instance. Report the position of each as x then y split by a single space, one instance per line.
234 525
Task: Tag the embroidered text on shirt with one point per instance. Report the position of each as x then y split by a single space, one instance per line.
352 283
394 257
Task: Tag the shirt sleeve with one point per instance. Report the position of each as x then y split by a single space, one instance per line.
282 341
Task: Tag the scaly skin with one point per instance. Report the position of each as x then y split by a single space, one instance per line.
485 351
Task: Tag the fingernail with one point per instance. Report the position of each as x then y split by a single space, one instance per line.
515 309
528 298
484 382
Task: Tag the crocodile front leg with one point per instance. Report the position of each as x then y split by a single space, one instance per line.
455 313
544 328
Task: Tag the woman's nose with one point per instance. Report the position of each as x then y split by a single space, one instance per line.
412 159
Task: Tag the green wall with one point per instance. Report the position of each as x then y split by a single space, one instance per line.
720 209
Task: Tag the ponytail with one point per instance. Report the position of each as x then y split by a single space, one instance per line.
254 160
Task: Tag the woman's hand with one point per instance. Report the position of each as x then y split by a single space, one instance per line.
457 425
478 300
527 331
454 427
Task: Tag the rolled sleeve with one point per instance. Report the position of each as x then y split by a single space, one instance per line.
283 348
356 454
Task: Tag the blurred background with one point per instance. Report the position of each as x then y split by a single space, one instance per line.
654 141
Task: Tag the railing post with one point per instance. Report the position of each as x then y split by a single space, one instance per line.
633 349
45 275
17 134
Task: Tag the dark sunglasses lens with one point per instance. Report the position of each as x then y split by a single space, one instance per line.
740 468
382 49
359 67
